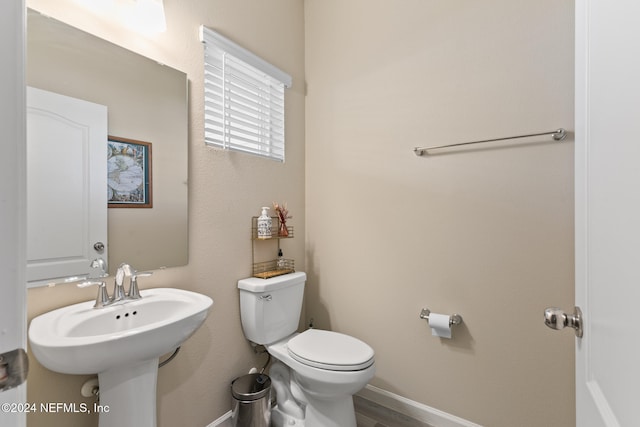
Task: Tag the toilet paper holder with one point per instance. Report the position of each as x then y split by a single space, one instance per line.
454 319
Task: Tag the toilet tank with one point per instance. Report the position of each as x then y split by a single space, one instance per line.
270 308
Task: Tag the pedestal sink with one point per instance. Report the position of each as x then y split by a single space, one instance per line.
122 344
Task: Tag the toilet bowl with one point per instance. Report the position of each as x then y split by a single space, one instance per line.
316 372
326 374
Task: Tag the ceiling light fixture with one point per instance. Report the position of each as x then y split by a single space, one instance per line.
144 16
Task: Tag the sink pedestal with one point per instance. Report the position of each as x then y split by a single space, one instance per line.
128 395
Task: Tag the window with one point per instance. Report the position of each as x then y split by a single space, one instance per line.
244 99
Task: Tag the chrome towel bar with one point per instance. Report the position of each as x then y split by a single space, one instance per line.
558 135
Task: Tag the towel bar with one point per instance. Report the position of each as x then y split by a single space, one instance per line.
558 135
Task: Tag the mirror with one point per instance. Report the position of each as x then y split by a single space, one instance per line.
147 102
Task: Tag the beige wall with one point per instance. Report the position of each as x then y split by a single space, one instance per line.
486 232
225 190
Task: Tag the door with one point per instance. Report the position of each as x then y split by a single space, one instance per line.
12 211
66 185
608 211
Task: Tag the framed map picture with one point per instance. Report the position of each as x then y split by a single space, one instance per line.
129 173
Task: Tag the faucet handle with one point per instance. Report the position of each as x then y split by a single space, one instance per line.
134 292
102 299
142 274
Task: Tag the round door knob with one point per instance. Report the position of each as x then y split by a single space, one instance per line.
557 319
99 246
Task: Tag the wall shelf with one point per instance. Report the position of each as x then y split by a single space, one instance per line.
271 267
275 227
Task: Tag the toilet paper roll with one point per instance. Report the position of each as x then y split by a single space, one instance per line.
439 324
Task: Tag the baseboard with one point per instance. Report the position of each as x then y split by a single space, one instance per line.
386 399
412 408
223 421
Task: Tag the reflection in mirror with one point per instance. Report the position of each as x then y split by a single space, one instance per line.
146 101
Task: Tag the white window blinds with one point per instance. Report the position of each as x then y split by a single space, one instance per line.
244 99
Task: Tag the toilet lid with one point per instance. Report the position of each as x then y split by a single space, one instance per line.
330 350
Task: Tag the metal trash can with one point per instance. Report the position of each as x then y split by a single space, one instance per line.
251 401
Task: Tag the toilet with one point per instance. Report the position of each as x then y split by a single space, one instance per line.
315 373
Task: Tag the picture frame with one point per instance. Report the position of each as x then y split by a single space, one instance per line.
129 180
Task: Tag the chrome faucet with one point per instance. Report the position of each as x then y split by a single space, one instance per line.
119 294
118 287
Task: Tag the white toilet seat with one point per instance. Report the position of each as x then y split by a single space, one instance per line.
330 350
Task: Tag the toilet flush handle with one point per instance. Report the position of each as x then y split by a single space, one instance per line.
266 297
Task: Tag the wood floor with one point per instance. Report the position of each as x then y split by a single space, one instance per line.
370 414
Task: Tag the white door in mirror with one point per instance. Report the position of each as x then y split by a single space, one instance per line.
66 207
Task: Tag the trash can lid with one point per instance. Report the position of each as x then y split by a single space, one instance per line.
250 387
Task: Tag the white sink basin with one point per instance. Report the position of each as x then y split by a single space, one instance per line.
79 339
121 343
